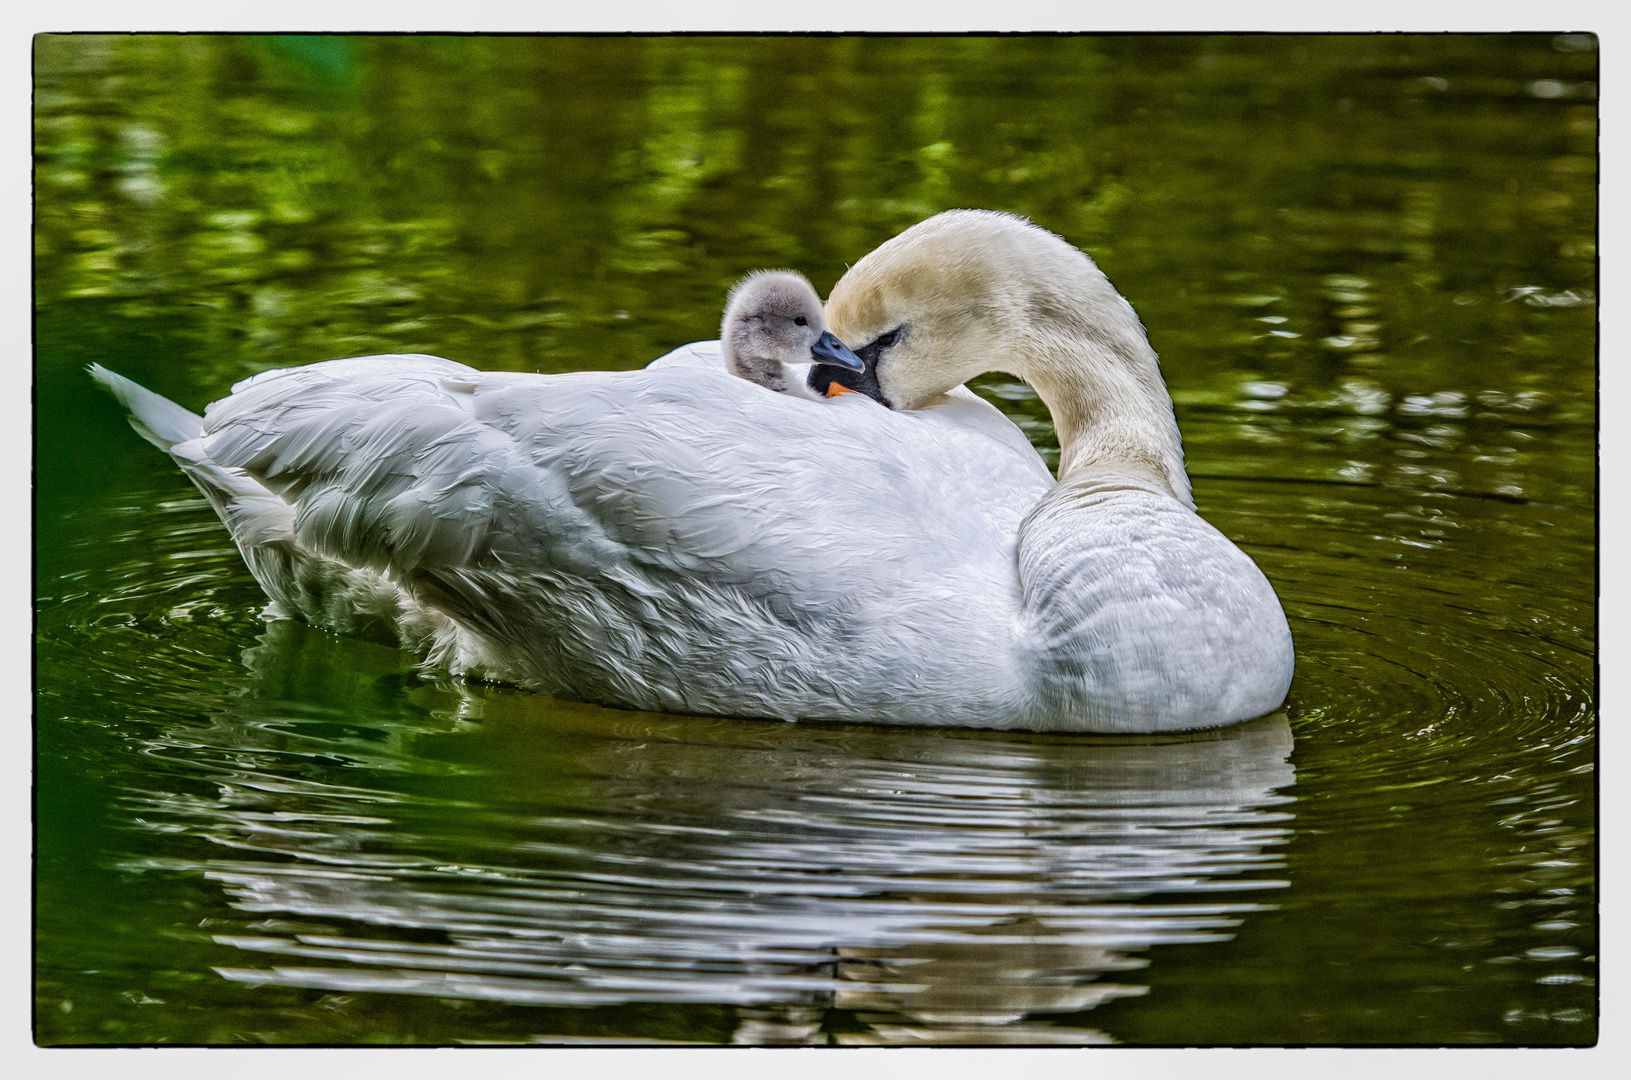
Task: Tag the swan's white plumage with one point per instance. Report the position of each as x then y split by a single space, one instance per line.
673 538
681 539
1153 620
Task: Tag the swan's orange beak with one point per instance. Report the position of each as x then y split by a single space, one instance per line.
834 389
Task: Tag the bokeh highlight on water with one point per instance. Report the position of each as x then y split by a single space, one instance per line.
1368 264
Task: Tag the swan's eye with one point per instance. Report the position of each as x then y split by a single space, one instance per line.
800 320
884 341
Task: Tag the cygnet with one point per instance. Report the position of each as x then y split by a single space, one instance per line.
774 332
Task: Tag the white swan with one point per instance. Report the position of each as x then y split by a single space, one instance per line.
677 539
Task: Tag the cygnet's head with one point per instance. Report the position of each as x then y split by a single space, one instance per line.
774 333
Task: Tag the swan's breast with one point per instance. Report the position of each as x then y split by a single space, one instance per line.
1141 616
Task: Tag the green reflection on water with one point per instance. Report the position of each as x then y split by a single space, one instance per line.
1368 264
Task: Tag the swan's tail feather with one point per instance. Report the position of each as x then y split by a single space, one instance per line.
299 582
255 516
157 419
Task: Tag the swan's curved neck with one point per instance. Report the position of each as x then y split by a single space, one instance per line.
1110 409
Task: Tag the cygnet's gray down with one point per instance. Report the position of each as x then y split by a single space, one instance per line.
774 331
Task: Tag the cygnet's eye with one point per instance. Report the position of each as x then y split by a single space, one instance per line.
800 320
884 341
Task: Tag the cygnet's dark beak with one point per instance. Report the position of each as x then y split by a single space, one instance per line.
829 350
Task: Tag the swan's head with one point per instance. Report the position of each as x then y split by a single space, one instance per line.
774 332
971 291
966 292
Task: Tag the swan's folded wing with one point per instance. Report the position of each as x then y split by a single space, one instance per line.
435 473
380 464
668 536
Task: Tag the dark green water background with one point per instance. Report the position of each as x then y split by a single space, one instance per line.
1368 265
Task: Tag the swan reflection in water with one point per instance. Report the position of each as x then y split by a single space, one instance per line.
472 842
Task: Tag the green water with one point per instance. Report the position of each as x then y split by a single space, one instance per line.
1368 265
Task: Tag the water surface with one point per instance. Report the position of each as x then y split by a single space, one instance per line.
1368 265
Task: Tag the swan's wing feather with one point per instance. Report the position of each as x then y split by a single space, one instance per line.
411 367
683 470
698 355
382 466
488 493
408 464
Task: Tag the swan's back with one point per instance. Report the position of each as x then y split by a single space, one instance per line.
673 538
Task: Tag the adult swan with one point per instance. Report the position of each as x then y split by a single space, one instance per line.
680 539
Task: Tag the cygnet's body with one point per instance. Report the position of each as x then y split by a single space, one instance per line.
774 332
677 539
